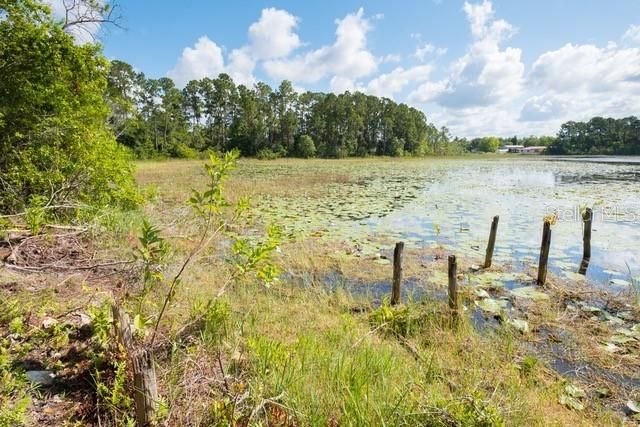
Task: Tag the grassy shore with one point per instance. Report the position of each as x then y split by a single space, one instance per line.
309 349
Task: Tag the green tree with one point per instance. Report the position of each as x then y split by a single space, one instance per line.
306 147
56 146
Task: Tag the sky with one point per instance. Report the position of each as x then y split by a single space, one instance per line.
478 67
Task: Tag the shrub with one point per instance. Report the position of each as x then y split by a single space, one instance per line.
266 154
54 139
306 147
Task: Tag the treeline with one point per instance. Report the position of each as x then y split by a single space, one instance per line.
599 136
153 118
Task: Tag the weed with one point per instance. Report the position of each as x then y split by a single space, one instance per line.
113 395
14 399
101 322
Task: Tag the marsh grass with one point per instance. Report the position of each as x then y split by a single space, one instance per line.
311 351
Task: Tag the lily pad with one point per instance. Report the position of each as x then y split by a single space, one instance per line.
619 282
610 347
610 318
620 339
612 273
530 292
481 293
521 325
574 391
492 305
571 402
589 308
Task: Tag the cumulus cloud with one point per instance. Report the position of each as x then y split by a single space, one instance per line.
588 68
542 108
346 59
577 82
487 74
391 83
273 36
204 59
424 50
632 35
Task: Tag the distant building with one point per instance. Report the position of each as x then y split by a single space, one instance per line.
536 149
511 149
521 149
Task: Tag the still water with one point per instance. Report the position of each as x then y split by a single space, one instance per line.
450 203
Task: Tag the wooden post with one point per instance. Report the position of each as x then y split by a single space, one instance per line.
453 288
145 394
492 242
145 387
397 273
587 222
544 253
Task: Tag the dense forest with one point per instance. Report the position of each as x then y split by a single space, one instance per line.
599 136
154 117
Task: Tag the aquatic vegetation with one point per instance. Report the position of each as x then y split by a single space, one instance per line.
450 203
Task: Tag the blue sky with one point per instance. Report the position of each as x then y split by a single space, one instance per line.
478 67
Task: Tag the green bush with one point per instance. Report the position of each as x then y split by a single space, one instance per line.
266 154
306 147
54 139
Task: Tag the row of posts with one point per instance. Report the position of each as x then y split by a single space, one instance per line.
453 266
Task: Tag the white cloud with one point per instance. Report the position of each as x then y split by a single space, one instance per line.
347 58
273 36
632 34
428 91
391 58
542 108
391 83
241 65
339 84
204 59
587 68
487 74
424 50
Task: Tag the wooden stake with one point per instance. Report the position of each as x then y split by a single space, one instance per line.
145 394
544 253
145 387
587 222
397 273
492 242
453 287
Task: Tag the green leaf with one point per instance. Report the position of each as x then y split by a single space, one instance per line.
521 325
530 292
492 305
574 391
571 403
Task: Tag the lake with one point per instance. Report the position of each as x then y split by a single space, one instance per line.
450 203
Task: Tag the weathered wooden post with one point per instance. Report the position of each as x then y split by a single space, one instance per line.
145 393
587 223
145 387
492 242
544 253
397 273
453 288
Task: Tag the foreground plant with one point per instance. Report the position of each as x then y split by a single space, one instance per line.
214 217
58 154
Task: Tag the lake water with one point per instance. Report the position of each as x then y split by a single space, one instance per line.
451 203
